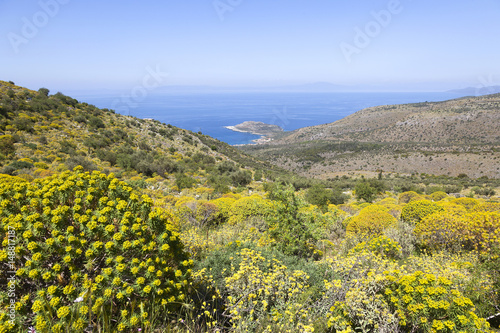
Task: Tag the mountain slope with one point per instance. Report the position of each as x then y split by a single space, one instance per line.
450 137
42 134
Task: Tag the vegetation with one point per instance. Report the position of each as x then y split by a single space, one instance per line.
451 138
157 229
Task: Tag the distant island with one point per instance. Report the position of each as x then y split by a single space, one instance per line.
266 131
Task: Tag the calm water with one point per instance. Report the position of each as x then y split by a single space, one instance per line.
209 113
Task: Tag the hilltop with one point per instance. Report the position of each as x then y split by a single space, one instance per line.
453 137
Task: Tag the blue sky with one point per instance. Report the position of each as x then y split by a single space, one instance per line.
381 45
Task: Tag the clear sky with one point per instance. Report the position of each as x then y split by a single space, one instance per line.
116 44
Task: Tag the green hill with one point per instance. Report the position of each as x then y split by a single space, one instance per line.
43 134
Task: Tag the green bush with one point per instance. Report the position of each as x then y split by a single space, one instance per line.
184 181
365 192
286 227
322 197
241 178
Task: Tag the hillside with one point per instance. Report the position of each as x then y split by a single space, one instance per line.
43 134
448 138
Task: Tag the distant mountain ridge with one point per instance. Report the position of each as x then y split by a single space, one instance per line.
477 91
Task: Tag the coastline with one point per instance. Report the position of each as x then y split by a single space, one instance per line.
263 139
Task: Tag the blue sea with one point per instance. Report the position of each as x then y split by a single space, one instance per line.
209 113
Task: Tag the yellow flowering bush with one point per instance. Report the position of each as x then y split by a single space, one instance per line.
474 231
428 303
266 290
246 207
5 179
486 207
371 220
224 209
414 211
468 203
452 208
87 248
372 295
381 245
442 230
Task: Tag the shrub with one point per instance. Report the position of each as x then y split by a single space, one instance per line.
394 301
226 167
246 207
184 181
371 220
406 197
478 231
364 191
75 161
438 196
91 252
96 123
403 234
414 211
468 203
18 165
381 245
224 209
486 191
7 145
266 291
241 178
320 196
287 228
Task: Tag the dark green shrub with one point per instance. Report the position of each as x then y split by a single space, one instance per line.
241 178
183 181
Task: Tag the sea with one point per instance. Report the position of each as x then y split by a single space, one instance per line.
209 113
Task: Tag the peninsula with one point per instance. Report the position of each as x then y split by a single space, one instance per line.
267 131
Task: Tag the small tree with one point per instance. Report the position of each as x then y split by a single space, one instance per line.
44 92
365 191
286 226
241 178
